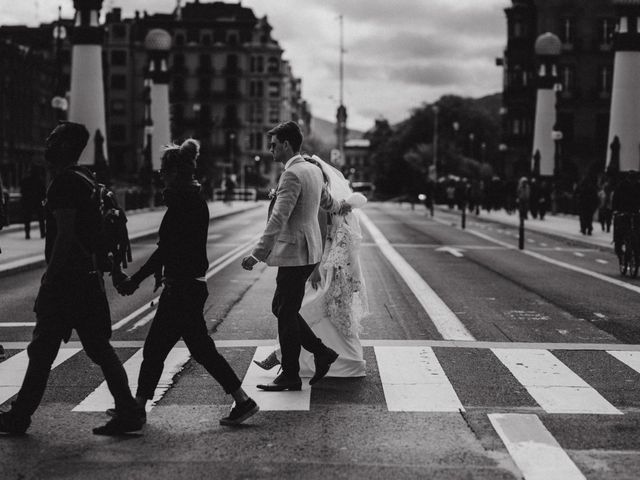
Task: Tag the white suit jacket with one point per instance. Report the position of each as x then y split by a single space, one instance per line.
292 236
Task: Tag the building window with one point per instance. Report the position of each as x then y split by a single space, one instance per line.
193 36
518 29
206 39
274 112
567 30
604 79
118 32
205 62
118 107
274 89
256 89
231 85
273 65
119 57
179 39
257 64
567 78
232 38
606 28
118 82
232 62
118 133
255 141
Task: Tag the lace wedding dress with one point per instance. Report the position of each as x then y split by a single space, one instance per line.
335 309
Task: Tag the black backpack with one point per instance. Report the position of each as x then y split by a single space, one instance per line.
112 246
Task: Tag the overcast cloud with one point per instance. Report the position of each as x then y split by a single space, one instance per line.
399 55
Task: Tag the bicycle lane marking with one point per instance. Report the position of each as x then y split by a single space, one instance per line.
552 261
445 321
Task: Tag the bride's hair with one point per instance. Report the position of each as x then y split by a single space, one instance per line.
309 159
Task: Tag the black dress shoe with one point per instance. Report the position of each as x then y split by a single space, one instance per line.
123 423
281 383
14 424
240 413
323 362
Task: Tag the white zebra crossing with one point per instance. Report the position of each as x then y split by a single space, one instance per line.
552 384
13 369
100 399
412 379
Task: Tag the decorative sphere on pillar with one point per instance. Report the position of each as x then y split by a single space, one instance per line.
548 44
157 40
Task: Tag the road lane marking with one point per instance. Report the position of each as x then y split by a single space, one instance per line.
274 401
13 369
553 385
578 254
533 449
17 324
558 263
446 322
413 381
456 252
601 261
100 399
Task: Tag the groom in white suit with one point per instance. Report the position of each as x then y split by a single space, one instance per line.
292 242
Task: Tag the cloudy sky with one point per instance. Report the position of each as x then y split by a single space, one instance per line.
400 53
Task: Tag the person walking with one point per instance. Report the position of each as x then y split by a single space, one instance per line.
181 261
71 294
292 241
32 193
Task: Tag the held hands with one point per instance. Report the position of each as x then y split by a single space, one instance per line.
344 209
248 262
315 279
127 286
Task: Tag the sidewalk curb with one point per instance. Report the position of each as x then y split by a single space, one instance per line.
38 261
535 228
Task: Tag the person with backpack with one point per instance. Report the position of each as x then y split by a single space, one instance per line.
72 294
180 262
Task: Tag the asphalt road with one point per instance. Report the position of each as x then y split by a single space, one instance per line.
483 361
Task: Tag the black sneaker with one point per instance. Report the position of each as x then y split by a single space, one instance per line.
3 354
240 413
13 424
123 423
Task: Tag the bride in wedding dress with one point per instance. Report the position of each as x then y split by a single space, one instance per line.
336 298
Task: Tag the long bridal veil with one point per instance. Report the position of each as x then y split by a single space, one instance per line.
342 290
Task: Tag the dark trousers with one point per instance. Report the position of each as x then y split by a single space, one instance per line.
180 314
27 215
47 336
293 331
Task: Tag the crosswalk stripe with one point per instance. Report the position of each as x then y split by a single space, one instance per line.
552 384
413 381
13 369
274 401
100 399
533 449
629 358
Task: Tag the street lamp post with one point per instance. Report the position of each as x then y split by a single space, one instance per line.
436 110
556 136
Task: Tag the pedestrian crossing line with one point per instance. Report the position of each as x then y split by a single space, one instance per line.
274 401
553 385
413 381
17 324
13 369
447 323
630 359
143 321
100 399
533 449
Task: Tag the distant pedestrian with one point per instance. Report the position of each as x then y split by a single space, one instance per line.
587 197
229 189
605 206
72 294
180 261
32 194
544 199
